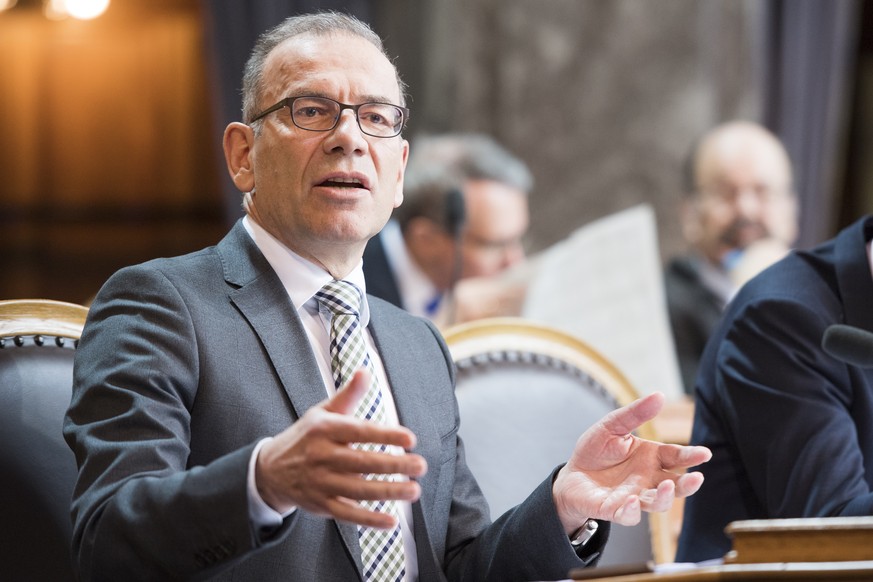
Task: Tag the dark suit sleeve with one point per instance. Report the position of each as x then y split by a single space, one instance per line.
694 313
791 409
381 281
138 506
528 542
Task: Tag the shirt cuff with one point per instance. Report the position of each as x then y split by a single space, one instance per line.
262 516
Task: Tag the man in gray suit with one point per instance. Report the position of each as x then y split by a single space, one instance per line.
211 437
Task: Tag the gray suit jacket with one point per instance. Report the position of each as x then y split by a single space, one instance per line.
186 363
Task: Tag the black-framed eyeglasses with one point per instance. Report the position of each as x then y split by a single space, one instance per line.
322 114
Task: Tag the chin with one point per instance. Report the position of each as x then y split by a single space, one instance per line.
340 233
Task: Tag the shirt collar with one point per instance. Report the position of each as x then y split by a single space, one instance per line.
714 278
301 278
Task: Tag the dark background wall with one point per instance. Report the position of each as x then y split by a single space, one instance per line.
602 99
111 128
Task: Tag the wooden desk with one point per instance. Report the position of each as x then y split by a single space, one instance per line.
814 539
831 571
834 548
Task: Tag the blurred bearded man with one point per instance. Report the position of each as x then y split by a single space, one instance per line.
740 216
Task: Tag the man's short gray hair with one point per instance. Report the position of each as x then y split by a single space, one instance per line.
320 24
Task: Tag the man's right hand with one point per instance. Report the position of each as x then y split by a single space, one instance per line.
311 465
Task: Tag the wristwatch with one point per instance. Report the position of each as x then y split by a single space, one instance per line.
584 534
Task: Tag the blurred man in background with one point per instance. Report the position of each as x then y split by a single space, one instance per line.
740 216
464 216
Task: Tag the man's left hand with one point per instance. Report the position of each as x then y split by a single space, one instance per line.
614 476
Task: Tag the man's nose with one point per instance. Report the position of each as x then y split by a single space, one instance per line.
749 203
347 135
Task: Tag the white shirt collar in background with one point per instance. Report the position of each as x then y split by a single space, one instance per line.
416 289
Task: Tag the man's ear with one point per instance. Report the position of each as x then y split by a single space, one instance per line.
239 139
398 195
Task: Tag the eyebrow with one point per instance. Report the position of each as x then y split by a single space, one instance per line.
303 91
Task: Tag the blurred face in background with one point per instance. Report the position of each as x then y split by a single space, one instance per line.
496 221
743 193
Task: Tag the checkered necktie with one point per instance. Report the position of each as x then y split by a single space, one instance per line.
381 550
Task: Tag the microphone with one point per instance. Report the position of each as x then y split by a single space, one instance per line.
455 212
849 344
456 215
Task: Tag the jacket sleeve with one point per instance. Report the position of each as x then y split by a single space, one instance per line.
528 542
138 507
792 410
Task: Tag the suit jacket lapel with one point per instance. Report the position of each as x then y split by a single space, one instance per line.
263 301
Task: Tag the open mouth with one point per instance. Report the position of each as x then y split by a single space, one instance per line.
342 183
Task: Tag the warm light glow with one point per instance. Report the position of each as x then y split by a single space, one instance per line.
55 9
7 4
81 9
86 9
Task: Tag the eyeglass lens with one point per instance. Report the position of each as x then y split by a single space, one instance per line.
322 114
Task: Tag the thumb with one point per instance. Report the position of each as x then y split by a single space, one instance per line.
347 398
630 513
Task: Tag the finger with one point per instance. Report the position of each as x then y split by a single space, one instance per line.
689 483
354 512
356 461
629 513
673 457
347 398
628 418
358 488
659 499
348 429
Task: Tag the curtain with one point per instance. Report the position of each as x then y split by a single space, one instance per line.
809 51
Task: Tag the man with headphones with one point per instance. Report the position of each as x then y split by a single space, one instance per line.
464 215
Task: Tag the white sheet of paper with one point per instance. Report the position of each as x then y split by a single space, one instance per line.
604 285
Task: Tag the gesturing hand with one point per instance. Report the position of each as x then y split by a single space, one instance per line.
614 475
310 464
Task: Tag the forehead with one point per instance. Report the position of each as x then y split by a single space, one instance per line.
492 194
744 159
491 202
339 65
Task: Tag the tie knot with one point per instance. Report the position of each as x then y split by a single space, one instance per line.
340 297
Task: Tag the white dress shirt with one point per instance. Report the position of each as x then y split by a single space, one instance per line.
302 280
